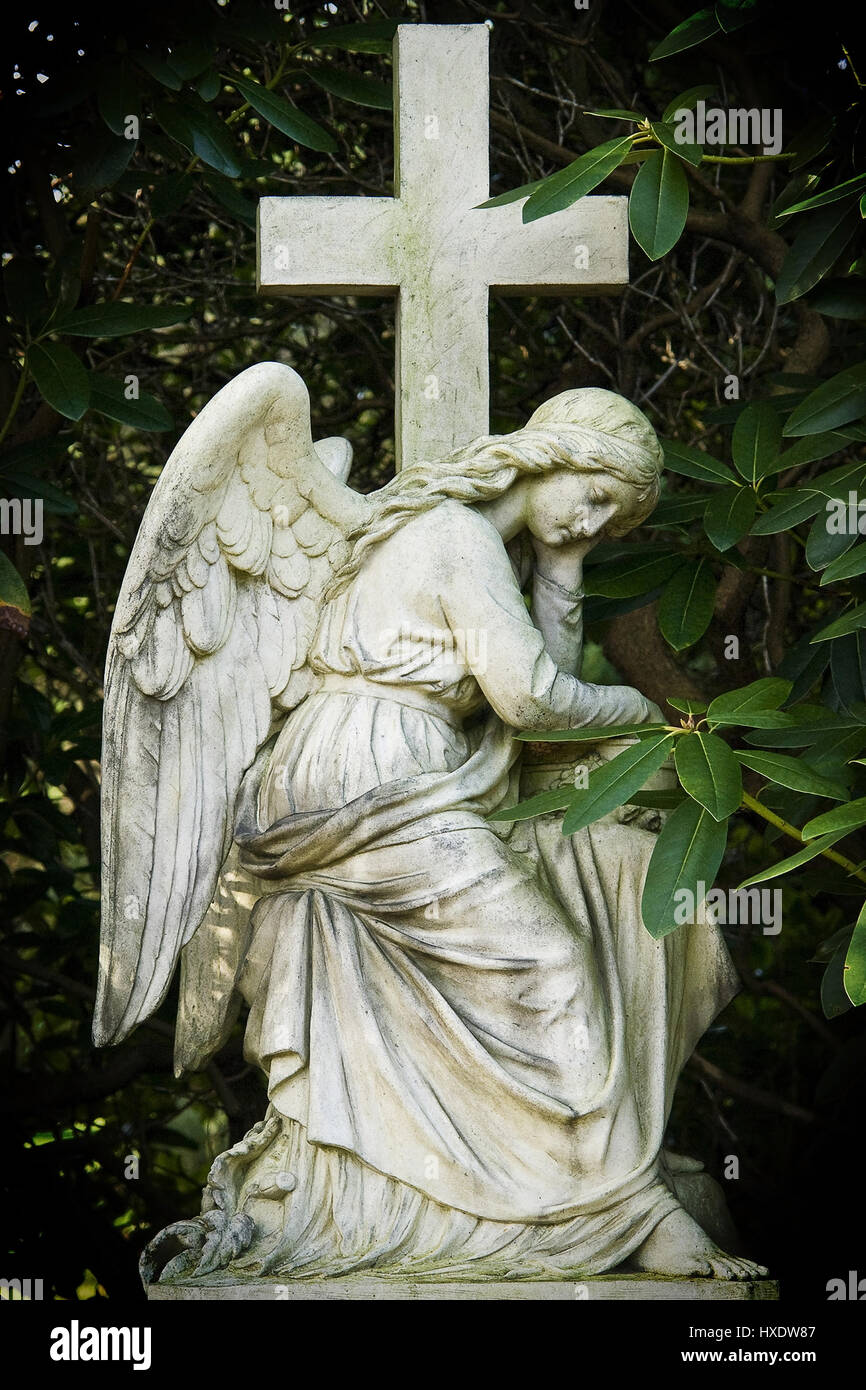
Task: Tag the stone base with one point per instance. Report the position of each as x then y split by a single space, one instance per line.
377 1288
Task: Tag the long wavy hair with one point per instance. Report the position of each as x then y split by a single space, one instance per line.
586 431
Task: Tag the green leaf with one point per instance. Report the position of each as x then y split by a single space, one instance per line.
229 195
837 401
563 188
851 188
734 14
688 852
109 398
627 577
283 116
810 141
193 125
852 621
694 463
825 544
618 113
674 510
60 378
698 27
364 91
613 784
15 607
159 69
114 318
376 36
190 58
658 204
798 727
20 483
710 773
557 799
590 734
788 509
667 136
842 818
729 515
659 800
793 773
686 706
209 85
847 566
117 97
767 693
843 298
686 606
687 100
794 861
816 248
756 441
810 448
834 1000
854 971
513 195
100 160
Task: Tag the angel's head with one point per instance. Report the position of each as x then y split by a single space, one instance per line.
585 465
594 466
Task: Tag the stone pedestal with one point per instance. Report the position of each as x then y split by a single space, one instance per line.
629 1288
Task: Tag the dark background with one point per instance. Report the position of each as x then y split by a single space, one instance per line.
774 1082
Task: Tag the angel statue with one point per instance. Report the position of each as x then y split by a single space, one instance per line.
471 1042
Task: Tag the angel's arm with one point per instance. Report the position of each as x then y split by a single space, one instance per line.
509 655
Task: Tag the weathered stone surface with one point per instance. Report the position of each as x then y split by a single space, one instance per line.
434 247
369 1288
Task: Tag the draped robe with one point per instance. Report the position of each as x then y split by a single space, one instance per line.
470 1039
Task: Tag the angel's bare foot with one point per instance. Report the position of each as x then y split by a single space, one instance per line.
679 1246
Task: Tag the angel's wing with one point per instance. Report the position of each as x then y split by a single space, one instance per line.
209 643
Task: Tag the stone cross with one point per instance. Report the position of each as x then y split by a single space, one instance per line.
432 245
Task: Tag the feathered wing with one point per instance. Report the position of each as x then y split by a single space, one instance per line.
207 651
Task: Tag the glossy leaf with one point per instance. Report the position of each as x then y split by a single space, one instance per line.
687 100
351 86
667 136
841 818
625 578
816 248
658 204
794 861
686 605
109 398
851 621
765 694
694 463
839 400
376 36
710 773
756 441
114 318
698 27
201 133
564 188
792 773
854 970
613 784
851 188
688 852
557 799
283 115
590 733
729 515
60 378
848 566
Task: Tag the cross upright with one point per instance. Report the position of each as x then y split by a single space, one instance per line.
433 246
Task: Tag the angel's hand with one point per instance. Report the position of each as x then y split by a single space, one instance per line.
562 564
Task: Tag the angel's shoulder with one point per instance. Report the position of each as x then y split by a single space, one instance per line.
456 529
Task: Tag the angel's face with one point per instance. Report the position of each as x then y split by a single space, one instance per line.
565 507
